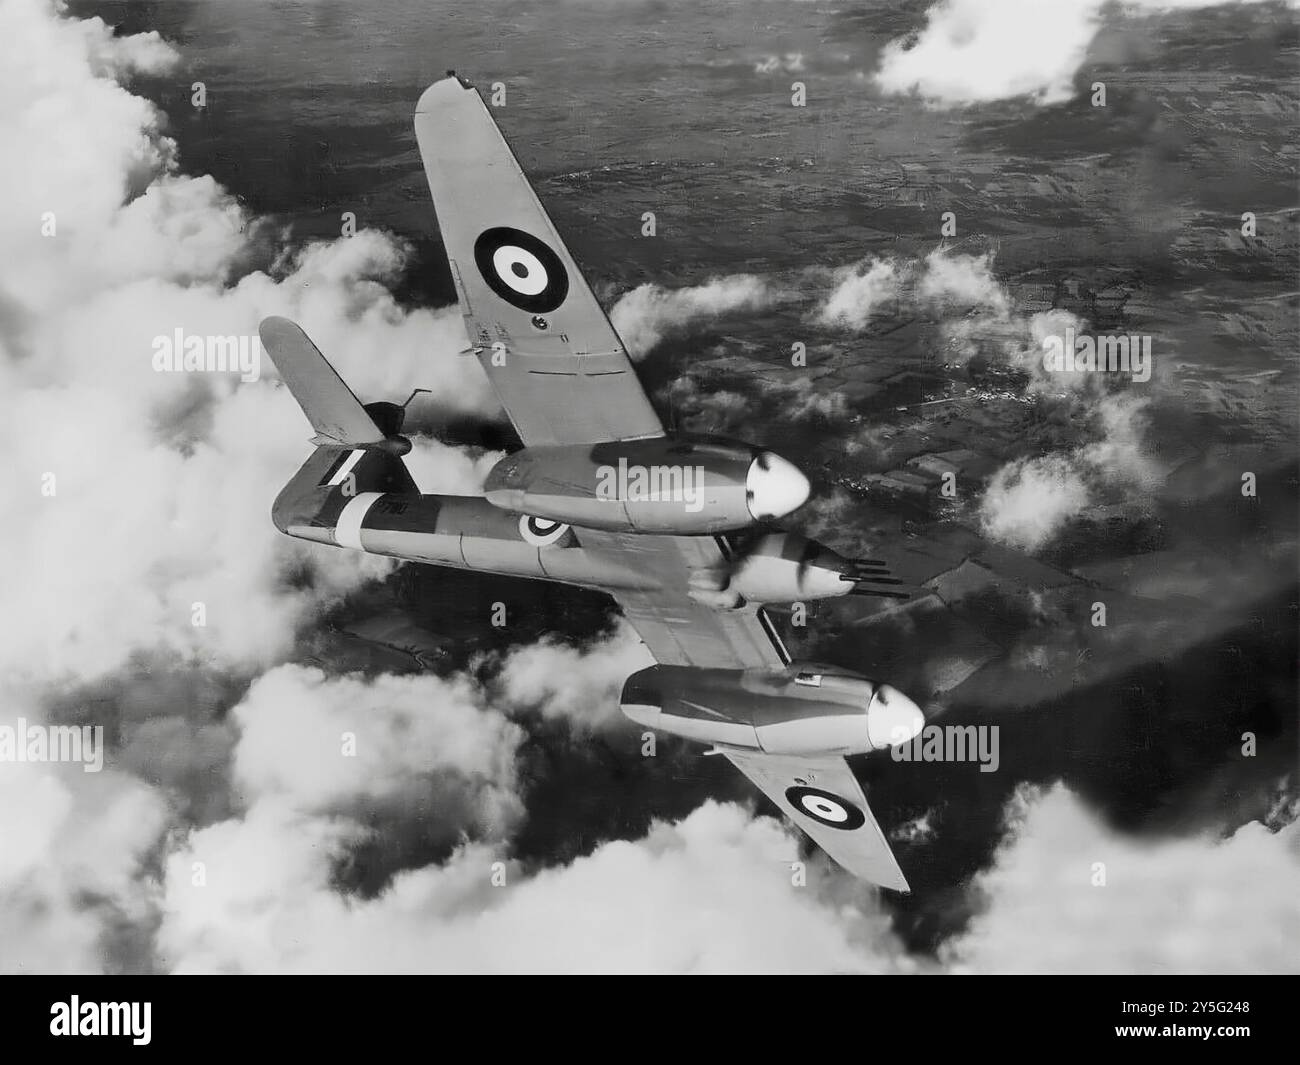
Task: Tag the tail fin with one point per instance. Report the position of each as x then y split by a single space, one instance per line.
311 505
354 455
334 412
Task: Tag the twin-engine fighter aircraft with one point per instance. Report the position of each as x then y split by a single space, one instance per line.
672 526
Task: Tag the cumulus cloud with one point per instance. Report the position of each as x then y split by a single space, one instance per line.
975 51
712 893
137 531
719 409
1120 453
952 280
780 399
861 290
800 399
971 51
142 493
139 494
649 313
327 743
790 63
73 865
1028 500
941 283
579 685
1190 905
440 469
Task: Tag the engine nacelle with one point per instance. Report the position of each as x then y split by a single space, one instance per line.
676 485
803 709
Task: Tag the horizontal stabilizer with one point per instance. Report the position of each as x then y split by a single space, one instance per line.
334 412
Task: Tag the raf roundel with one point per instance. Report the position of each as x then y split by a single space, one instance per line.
521 269
825 808
541 532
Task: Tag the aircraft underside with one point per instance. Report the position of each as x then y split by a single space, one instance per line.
678 529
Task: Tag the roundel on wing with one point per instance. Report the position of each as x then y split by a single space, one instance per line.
825 808
521 269
541 532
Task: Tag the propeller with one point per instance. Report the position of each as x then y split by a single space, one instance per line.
389 418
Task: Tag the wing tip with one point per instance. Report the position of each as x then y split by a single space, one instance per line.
441 91
276 332
891 879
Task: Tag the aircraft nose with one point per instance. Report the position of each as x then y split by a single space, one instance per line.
892 718
774 487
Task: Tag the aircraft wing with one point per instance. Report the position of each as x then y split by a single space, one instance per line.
821 795
557 364
548 348
678 630
558 367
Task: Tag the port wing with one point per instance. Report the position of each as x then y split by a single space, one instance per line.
556 363
821 795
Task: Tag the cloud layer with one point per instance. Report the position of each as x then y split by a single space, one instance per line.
649 313
977 51
1120 904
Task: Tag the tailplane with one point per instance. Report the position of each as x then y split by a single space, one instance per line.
359 448
334 412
